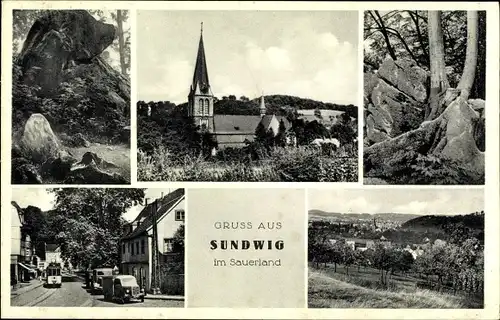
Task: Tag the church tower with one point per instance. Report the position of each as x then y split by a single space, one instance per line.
201 98
262 108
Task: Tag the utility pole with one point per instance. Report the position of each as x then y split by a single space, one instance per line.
155 283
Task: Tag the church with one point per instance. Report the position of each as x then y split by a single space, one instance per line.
228 130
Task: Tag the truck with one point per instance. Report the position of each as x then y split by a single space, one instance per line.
96 279
121 288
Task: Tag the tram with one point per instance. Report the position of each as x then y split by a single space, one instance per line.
53 278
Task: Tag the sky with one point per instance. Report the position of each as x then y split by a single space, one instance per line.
46 201
390 200
306 54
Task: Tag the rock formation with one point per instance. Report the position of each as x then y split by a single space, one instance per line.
82 96
396 135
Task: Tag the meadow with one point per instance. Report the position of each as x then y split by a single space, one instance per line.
362 289
284 164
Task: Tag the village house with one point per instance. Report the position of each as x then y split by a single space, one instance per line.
21 269
136 246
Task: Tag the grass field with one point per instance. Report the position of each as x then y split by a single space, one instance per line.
329 289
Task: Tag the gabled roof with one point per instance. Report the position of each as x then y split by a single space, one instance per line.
165 204
51 247
200 77
235 124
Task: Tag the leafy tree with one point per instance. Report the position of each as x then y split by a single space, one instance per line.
178 240
281 136
89 222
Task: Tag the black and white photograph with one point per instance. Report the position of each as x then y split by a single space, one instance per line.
260 96
97 247
424 97
418 249
70 97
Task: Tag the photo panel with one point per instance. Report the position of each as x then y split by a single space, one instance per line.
97 247
273 98
424 97
70 97
418 249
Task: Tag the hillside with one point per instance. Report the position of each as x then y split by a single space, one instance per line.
396 217
474 221
327 292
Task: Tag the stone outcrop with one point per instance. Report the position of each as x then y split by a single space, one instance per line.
394 99
58 40
38 138
449 137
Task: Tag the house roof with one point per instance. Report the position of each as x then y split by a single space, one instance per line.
165 204
235 124
51 247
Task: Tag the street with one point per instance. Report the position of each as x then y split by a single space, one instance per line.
73 294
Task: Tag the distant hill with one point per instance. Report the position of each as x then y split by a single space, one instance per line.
396 217
473 221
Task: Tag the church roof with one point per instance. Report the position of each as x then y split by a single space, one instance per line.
200 77
236 124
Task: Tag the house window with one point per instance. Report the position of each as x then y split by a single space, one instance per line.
143 246
207 107
132 246
168 245
179 215
123 248
137 247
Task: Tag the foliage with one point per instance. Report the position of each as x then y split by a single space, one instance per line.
88 223
283 164
178 242
406 32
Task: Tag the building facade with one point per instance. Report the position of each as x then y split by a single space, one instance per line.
136 246
20 246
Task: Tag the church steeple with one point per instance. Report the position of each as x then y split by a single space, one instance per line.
201 99
200 77
262 108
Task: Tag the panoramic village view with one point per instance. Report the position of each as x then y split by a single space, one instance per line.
96 247
418 249
273 101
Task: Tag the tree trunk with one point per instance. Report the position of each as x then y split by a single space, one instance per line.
439 81
467 79
384 33
121 41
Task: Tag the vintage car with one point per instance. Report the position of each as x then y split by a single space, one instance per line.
121 288
96 281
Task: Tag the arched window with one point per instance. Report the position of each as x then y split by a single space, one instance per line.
201 106
207 107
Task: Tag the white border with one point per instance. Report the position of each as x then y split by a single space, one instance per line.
491 310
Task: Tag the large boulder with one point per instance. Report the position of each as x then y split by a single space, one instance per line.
58 40
91 174
394 99
38 140
449 137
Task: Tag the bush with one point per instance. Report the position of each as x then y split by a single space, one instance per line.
284 164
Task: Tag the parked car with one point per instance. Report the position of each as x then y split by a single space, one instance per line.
121 288
96 281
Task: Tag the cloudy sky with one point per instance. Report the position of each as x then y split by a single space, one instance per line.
414 201
46 201
307 54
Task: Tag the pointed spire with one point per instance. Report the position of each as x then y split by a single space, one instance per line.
200 77
262 105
